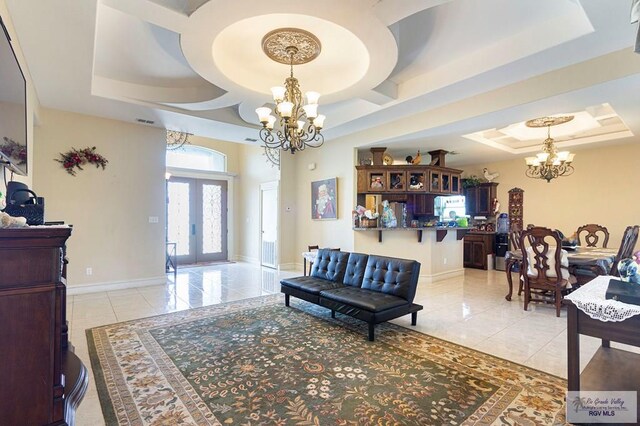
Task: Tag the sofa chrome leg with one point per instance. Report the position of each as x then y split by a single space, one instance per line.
286 300
414 318
333 313
371 331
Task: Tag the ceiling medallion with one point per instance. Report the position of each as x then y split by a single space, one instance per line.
276 46
549 121
550 163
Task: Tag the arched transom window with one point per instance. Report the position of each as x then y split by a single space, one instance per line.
197 158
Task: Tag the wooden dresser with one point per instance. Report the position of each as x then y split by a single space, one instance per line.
43 381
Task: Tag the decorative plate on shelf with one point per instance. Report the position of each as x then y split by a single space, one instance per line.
387 160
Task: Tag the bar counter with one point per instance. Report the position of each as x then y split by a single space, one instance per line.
438 249
441 231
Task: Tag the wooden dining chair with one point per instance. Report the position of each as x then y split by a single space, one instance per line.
629 240
545 277
312 248
594 233
513 258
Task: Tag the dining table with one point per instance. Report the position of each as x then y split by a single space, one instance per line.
598 257
598 260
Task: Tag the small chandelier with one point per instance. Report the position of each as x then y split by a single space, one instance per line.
176 139
550 163
298 125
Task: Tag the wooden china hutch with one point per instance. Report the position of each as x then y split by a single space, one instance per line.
43 381
416 185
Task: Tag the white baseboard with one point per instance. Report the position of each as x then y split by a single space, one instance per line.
114 285
252 260
289 266
441 276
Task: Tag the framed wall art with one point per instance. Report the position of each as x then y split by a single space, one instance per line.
324 199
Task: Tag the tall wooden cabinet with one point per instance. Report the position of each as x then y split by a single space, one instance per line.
479 199
43 381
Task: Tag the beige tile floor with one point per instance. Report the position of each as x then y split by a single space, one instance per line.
469 310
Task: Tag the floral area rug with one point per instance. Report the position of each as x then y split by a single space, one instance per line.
257 362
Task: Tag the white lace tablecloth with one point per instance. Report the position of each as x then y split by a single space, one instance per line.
590 299
310 256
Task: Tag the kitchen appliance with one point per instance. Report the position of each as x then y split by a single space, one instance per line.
503 224
502 246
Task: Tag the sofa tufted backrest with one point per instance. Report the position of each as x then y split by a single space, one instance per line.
330 265
356 265
390 275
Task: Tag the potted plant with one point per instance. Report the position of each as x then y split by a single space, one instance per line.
471 181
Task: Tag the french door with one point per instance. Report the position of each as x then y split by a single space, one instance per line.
197 219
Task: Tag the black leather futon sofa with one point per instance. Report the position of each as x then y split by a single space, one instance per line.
371 288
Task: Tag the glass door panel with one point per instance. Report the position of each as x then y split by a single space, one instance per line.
180 215
435 181
445 182
455 184
212 220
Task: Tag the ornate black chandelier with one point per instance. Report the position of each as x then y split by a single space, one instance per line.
296 125
549 164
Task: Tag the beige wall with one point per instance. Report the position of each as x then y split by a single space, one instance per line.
33 105
254 170
336 158
110 208
602 190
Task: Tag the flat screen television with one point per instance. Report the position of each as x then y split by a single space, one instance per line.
13 108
